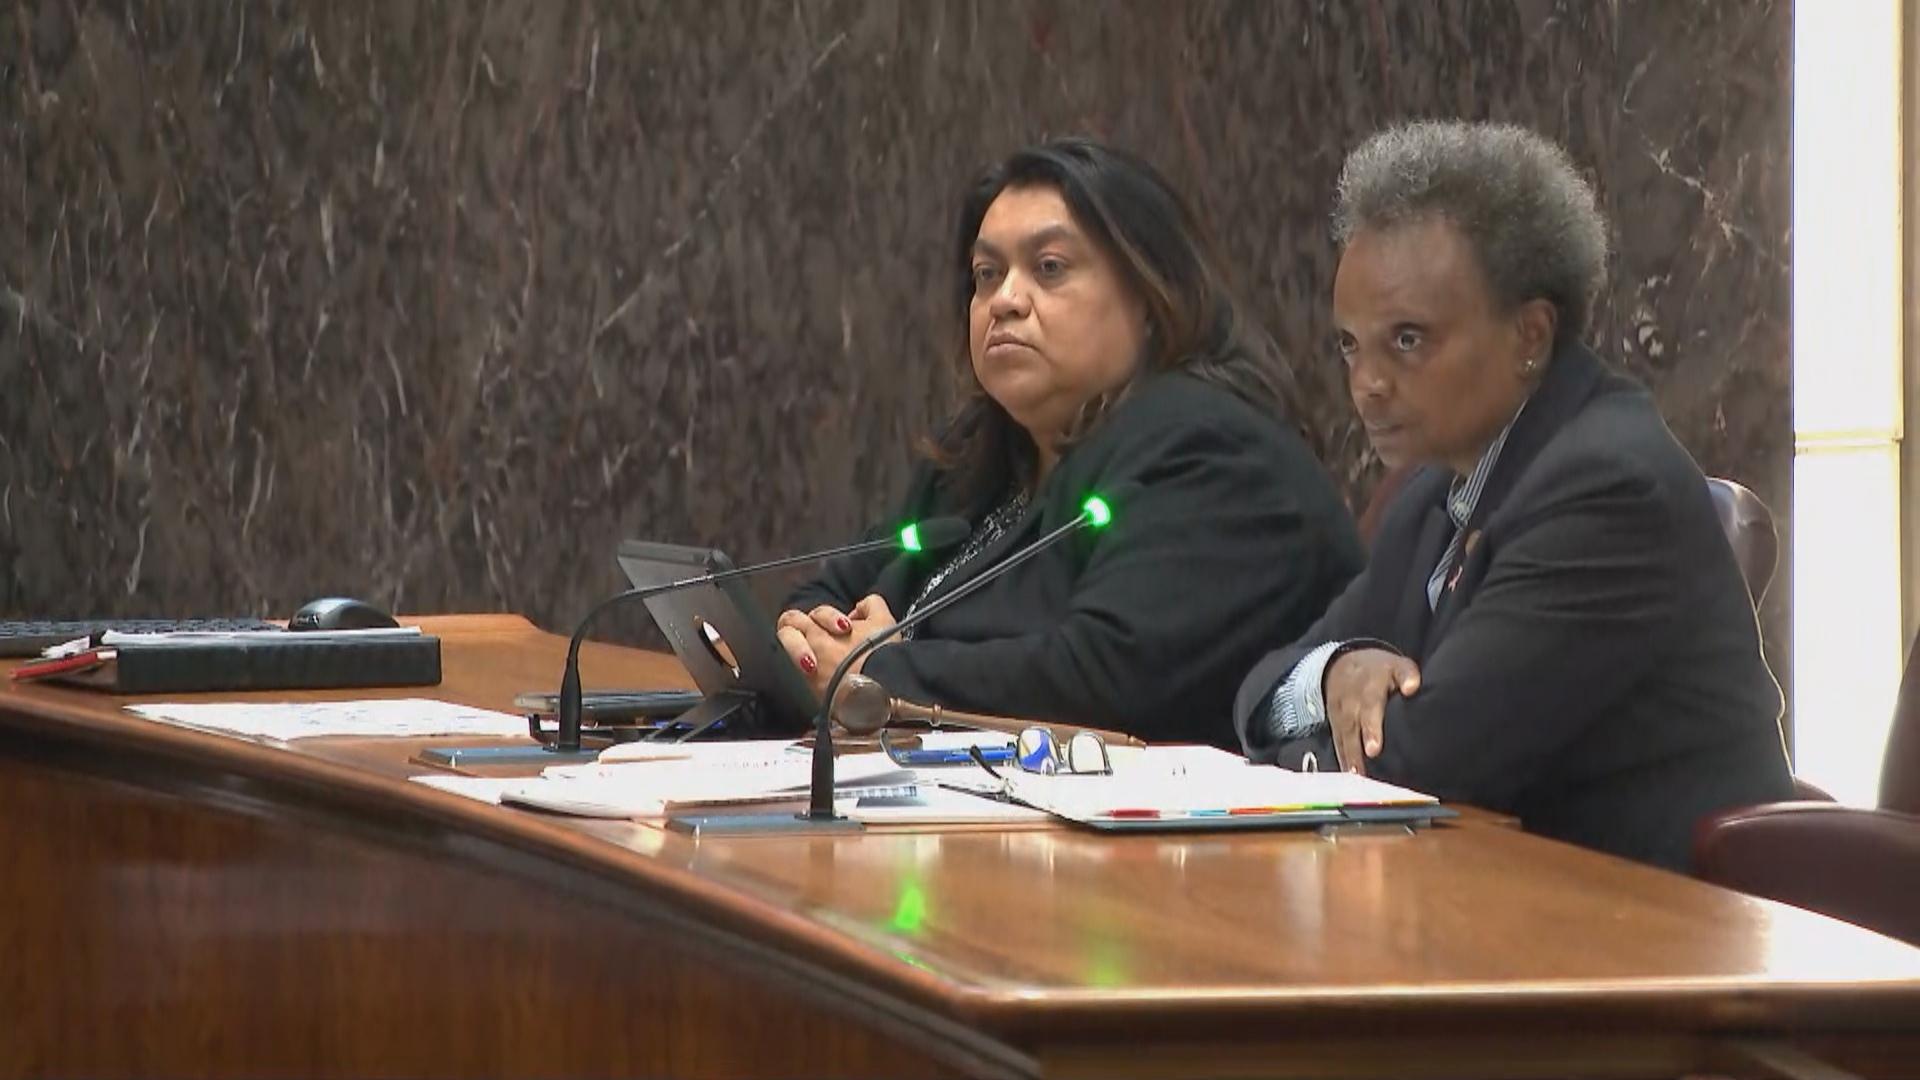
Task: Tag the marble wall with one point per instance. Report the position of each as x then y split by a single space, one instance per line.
434 302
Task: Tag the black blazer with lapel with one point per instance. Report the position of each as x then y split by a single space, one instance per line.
1595 666
1235 539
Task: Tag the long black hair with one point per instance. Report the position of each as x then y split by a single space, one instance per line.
1162 254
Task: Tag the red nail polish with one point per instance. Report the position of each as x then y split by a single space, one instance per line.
845 625
809 665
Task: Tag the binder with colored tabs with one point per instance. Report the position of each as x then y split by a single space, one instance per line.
1169 788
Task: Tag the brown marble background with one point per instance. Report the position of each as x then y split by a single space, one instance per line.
434 302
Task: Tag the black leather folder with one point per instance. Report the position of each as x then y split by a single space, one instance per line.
290 661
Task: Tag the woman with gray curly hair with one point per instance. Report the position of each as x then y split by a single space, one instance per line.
1551 623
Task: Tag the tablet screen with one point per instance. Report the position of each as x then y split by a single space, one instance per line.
718 631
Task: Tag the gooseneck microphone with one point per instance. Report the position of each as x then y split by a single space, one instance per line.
934 534
1095 513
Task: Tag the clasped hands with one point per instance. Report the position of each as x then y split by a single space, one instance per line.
820 639
1357 686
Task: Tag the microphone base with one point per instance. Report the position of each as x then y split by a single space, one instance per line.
458 757
760 824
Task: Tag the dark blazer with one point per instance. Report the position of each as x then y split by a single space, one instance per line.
1235 539
1595 667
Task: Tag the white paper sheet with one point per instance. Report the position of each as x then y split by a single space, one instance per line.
402 718
647 789
745 752
486 789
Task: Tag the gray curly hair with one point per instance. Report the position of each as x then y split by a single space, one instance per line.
1529 217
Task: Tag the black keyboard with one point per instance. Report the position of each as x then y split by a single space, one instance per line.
28 637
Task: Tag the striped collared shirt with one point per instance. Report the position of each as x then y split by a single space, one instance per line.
1298 706
1462 497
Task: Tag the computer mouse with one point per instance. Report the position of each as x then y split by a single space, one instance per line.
340 613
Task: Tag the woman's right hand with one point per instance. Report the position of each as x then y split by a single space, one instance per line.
792 626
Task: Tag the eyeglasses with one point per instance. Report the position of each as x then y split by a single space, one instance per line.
1038 751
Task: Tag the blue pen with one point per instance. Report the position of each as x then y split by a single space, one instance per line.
904 756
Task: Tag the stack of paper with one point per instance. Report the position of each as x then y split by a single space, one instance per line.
936 805
718 754
716 774
1173 787
928 804
403 718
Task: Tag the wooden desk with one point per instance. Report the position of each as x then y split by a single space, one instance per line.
179 903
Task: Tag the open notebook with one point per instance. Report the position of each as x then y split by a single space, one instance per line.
1183 787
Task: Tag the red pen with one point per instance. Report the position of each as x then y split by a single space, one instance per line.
1133 813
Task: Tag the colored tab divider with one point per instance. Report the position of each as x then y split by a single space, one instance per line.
1144 813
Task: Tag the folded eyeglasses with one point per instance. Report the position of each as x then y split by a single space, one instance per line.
1037 750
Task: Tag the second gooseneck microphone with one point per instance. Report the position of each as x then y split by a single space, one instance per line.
1095 513
934 534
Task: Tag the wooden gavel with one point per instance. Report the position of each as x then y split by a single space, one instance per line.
863 707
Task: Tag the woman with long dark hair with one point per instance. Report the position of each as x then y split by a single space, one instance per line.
1101 347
